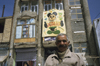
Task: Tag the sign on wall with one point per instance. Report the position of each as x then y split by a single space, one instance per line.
53 23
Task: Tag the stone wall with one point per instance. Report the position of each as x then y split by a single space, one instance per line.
7 30
1 37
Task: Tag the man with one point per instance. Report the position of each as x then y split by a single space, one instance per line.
63 56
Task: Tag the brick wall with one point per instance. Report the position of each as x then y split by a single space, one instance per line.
7 30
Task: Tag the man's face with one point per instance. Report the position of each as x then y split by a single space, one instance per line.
62 43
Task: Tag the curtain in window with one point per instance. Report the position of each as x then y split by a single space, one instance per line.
18 31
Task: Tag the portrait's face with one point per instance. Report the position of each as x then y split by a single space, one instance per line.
62 43
52 17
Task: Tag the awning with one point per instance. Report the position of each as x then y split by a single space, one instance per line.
2 58
3 54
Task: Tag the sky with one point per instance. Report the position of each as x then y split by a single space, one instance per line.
94 7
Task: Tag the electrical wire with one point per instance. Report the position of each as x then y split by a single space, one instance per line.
97 16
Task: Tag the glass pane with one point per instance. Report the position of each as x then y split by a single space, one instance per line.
3 52
76 45
71 0
79 15
26 8
56 6
25 36
18 32
73 11
32 20
83 49
25 31
28 21
25 26
22 9
45 7
32 8
79 11
35 8
49 7
73 16
83 44
71 3
76 50
22 22
18 22
32 31
61 6
77 2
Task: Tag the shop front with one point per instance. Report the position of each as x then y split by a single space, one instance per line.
26 57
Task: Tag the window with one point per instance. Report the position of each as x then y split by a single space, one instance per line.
25 28
74 2
59 5
2 22
31 5
34 6
76 13
47 5
24 6
80 47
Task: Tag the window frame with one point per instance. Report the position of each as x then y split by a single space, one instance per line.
28 28
37 5
74 1
47 6
75 13
79 47
60 5
23 6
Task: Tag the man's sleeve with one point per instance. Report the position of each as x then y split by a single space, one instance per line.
45 64
80 62
48 61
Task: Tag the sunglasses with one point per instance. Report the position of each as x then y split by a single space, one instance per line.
61 40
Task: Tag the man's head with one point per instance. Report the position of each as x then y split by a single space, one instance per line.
62 42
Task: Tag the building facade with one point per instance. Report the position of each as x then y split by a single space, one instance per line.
28 45
5 34
96 26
